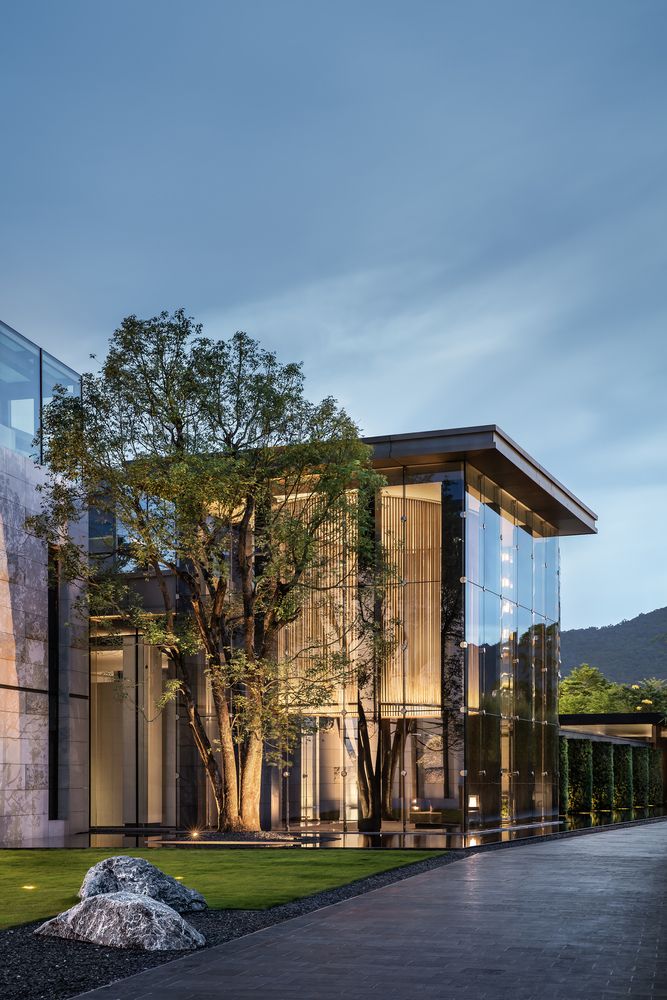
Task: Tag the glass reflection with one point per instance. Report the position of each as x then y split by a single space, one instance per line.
512 642
19 392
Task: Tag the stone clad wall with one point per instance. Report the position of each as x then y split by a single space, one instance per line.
24 678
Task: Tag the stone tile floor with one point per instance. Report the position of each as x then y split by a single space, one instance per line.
582 918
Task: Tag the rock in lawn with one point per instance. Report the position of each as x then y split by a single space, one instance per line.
123 874
125 920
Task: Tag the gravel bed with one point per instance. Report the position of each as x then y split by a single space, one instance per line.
42 968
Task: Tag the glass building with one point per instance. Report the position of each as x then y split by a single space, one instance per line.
456 731
28 376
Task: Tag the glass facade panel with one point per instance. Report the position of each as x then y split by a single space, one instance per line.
525 755
27 378
508 659
474 642
508 550
539 574
539 668
19 392
552 666
552 579
512 658
524 672
474 555
484 792
524 539
55 373
491 654
492 527
133 756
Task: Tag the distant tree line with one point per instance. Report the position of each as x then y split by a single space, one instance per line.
586 689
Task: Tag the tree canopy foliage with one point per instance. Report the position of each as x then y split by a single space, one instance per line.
240 502
586 689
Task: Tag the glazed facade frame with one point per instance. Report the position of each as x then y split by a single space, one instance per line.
459 731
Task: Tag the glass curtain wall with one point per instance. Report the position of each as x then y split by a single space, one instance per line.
512 660
27 379
388 754
19 392
134 749
421 681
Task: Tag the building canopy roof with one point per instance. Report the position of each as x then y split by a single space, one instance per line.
496 455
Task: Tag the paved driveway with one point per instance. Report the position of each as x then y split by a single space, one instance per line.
583 917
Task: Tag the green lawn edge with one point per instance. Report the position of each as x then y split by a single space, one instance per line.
247 879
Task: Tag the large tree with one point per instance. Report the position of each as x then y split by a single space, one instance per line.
243 503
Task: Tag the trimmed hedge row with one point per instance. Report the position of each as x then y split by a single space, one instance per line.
580 754
655 777
596 776
603 776
640 777
623 776
563 774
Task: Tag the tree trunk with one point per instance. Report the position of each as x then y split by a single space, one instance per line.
230 818
251 784
391 754
369 776
201 741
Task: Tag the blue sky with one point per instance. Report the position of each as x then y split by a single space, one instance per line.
452 213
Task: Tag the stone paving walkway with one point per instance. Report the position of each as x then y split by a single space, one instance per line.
582 918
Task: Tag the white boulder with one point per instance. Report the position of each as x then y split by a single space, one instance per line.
125 920
126 874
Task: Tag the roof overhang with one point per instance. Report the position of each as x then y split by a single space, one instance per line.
496 455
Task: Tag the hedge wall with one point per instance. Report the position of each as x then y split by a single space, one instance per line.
640 776
623 796
563 776
603 775
655 780
580 760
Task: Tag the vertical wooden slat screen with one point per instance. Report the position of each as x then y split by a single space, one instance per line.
325 625
411 676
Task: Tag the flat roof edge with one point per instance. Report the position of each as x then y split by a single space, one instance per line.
569 514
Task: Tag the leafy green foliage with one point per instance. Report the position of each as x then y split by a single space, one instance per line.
240 503
655 778
563 775
603 775
580 757
640 777
623 776
586 689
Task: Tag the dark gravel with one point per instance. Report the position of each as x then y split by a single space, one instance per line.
41 968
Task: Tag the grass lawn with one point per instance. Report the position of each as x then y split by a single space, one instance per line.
251 879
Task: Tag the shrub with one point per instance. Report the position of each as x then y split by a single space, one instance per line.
563 776
655 779
603 775
580 760
622 776
640 776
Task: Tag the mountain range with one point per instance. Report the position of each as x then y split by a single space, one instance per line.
627 652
